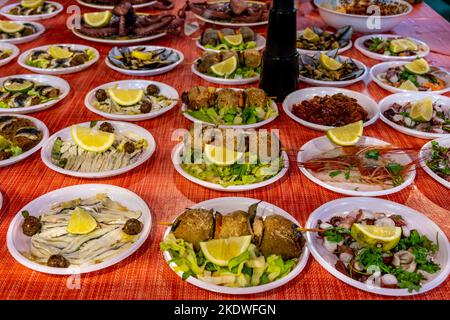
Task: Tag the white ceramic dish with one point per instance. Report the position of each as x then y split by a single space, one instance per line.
260 44
415 220
222 81
424 155
53 81
337 84
147 73
319 145
363 24
118 41
1 200
377 69
227 205
106 7
306 94
39 125
58 71
312 52
120 127
4 12
40 29
176 160
359 45
17 242
166 90
403 98
14 52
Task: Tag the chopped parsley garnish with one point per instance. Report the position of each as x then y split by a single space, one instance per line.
336 234
373 154
335 173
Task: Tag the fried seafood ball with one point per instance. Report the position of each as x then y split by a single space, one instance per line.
129 147
252 58
194 226
235 224
207 60
255 97
132 227
31 225
58 261
199 97
152 89
145 107
107 127
227 98
78 59
101 95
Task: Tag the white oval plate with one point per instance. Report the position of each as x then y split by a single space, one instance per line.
107 7
18 242
377 69
166 90
227 205
403 98
40 29
14 54
1 200
359 44
222 81
119 126
322 144
312 52
336 84
414 218
118 41
4 11
41 126
176 160
146 73
244 126
424 155
58 71
56 82
260 44
306 94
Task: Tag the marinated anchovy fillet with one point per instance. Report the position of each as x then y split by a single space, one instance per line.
27 29
45 8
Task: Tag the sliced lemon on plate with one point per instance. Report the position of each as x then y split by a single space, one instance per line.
10 27
310 35
225 67
347 135
59 52
18 86
92 140
81 222
233 40
97 19
329 63
221 156
221 251
126 97
418 66
141 55
400 45
422 110
369 235
31 3
408 85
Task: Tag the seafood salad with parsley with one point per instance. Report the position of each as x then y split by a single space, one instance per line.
380 249
394 46
438 160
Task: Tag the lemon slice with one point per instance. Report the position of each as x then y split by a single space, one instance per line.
126 97
419 66
400 45
422 110
225 67
10 27
97 19
329 63
81 222
408 85
59 53
31 3
221 155
221 251
346 135
369 235
92 139
310 35
141 55
233 40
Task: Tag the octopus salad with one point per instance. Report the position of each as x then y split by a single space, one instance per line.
397 46
438 160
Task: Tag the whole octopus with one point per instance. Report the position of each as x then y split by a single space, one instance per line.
125 22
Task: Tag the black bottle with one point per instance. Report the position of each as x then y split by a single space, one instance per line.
279 74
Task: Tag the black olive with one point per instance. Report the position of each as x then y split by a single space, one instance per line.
146 107
31 225
101 95
129 147
152 89
107 127
132 227
58 261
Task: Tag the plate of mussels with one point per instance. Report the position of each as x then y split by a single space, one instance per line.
314 39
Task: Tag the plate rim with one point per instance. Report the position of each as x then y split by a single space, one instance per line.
117 42
222 81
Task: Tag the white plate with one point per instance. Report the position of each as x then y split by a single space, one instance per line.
124 127
18 242
14 54
424 155
244 126
415 220
118 41
360 23
306 94
260 44
377 69
222 81
58 71
56 82
312 52
359 44
176 160
166 90
107 7
39 125
4 11
227 205
1 200
319 145
40 29
147 73
403 98
337 84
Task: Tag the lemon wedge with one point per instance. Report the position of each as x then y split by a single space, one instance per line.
422 110
141 55
347 135
329 63
31 3
225 67
221 156
233 40
97 19
10 27
81 222
400 45
92 140
418 66
126 97
221 251
369 235
310 35
59 52
408 85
